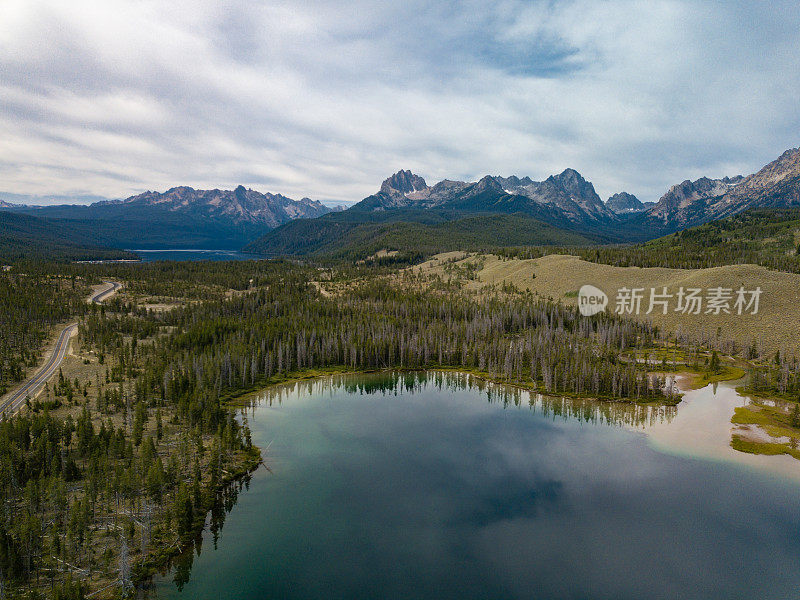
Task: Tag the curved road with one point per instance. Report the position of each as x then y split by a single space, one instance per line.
101 295
31 387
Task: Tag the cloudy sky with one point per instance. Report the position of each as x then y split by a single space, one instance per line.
325 99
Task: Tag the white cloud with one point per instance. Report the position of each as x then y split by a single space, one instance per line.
325 99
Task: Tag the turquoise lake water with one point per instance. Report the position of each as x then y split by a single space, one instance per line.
436 486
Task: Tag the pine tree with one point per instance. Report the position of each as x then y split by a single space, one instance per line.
715 363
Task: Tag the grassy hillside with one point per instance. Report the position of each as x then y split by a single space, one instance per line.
766 237
26 237
773 328
342 238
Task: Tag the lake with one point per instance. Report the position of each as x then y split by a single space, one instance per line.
192 254
435 485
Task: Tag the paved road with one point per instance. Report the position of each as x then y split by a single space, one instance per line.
111 287
31 387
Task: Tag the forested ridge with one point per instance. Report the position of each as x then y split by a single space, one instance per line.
766 237
336 237
33 238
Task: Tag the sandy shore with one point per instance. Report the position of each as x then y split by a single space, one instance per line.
702 428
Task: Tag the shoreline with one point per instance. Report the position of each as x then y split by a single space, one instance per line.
239 398
676 436
701 427
162 560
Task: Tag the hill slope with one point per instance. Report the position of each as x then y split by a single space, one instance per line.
773 328
336 236
769 237
762 236
26 237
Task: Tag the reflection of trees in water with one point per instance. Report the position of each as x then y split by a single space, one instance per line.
394 383
225 500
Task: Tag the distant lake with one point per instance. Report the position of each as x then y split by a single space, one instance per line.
439 486
193 254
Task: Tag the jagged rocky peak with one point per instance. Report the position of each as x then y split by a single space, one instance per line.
733 180
687 193
240 205
512 183
404 182
573 182
792 155
623 202
787 165
488 183
577 188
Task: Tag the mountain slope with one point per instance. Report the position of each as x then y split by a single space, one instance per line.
688 201
623 202
572 194
26 237
359 239
183 217
693 202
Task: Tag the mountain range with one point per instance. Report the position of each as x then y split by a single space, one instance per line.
492 211
562 198
568 197
240 205
181 217
565 201
689 203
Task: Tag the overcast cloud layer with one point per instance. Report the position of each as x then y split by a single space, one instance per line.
326 99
